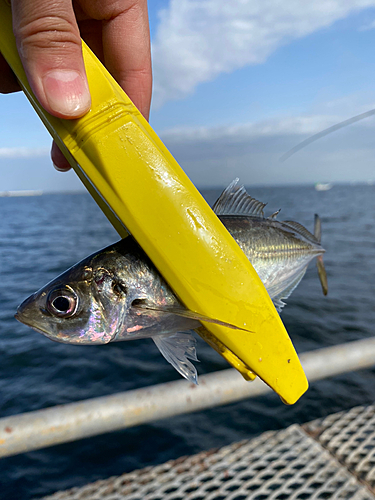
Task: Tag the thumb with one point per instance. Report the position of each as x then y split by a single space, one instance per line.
49 45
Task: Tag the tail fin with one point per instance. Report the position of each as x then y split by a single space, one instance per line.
319 260
322 274
317 228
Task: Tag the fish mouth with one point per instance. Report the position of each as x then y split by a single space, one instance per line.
19 316
25 314
22 318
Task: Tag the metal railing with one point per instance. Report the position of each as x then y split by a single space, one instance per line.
64 423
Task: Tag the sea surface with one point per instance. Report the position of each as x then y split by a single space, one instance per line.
42 236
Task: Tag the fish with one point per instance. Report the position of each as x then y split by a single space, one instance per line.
117 294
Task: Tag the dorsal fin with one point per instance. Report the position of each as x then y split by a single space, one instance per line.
274 215
235 200
301 230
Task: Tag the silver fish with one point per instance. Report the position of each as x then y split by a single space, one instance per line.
117 294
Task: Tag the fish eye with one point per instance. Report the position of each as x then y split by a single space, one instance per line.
62 302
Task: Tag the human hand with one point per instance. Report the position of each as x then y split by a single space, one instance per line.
48 41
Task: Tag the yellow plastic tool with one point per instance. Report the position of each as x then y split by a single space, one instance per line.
139 186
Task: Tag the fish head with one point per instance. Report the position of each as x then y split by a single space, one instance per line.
100 299
87 304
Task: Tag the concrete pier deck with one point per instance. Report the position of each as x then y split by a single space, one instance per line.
328 458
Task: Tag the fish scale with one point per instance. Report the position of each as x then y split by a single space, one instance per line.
277 252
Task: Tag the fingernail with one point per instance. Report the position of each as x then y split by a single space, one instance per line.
61 169
67 92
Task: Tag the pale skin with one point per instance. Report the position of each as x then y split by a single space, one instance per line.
48 40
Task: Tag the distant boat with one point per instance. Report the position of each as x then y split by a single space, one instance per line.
320 186
25 192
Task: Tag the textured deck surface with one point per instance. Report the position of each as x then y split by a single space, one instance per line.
330 458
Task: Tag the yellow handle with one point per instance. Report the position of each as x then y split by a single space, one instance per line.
139 185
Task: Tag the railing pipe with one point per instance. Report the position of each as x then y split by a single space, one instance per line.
64 423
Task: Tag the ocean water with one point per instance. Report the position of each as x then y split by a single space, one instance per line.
43 236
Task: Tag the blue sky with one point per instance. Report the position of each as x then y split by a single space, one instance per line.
237 84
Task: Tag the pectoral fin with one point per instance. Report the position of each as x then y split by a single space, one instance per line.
177 349
186 313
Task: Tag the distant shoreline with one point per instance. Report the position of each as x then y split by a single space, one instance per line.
24 192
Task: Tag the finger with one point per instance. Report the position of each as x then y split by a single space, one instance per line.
127 53
126 46
8 80
58 159
49 45
90 30
91 33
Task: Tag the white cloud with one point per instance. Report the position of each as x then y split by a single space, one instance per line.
300 125
23 152
214 156
196 40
